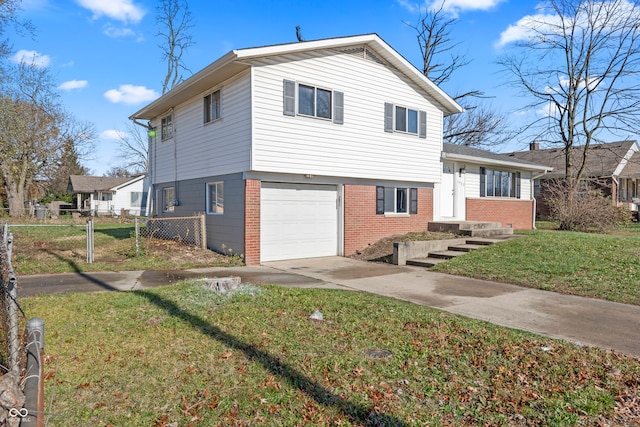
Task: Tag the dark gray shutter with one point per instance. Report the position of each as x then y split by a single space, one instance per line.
338 107
413 201
379 200
422 124
517 185
483 180
388 117
289 98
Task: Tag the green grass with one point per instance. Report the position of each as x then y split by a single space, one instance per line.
185 355
592 265
61 248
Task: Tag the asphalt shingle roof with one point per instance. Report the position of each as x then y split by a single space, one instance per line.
90 184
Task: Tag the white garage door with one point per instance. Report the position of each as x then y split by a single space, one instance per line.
298 221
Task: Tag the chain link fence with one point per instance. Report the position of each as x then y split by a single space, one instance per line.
189 231
21 383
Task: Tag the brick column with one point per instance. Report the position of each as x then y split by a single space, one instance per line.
252 222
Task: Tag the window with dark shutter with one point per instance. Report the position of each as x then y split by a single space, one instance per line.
483 182
379 200
338 107
289 98
423 124
388 117
413 201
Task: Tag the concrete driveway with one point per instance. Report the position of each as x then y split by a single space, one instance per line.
581 320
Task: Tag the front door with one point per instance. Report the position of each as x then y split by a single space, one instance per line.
447 190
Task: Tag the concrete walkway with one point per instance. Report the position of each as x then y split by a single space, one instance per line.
580 320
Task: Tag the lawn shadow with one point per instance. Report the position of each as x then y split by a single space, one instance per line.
117 233
81 273
357 414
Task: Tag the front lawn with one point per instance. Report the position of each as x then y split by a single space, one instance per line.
591 265
186 356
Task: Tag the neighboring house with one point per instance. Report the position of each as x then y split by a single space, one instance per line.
298 150
479 185
100 195
613 168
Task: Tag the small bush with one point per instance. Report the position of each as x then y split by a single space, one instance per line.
580 209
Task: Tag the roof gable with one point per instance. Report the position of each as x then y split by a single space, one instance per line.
237 61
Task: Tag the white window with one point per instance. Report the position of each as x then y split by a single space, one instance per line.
398 118
215 198
136 199
167 127
212 110
311 101
396 200
497 183
168 199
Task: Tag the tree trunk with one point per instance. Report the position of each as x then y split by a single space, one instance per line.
15 198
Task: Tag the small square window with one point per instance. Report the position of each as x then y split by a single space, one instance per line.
212 107
169 197
167 127
215 198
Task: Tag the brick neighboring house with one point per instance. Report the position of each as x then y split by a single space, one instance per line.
306 149
487 186
613 168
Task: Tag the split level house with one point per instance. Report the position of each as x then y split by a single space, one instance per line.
613 168
320 148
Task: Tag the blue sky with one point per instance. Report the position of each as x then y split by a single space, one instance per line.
105 55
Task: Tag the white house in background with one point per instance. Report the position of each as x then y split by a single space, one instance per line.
101 195
299 150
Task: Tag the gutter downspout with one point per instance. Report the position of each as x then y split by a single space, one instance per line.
150 197
535 202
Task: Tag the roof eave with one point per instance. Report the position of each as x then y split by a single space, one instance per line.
496 162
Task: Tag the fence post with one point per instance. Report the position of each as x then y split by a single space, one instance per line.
89 241
34 381
137 228
12 288
203 230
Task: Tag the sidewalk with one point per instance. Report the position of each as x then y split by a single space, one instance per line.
581 320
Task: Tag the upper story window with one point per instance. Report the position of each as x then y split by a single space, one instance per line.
398 118
390 200
497 183
312 101
166 128
212 109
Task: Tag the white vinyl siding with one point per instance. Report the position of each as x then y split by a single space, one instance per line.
359 148
217 148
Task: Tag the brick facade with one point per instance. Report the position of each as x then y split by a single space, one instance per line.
514 213
252 222
362 226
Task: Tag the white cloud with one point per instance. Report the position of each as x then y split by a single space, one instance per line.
73 84
31 57
130 95
453 7
540 23
112 135
120 10
116 32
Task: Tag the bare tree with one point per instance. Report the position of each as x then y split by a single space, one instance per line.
479 125
175 20
28 130
133 148
580 62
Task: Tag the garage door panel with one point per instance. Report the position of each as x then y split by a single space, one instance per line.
298 221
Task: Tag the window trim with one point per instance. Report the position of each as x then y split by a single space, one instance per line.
208 197
166 127
168 205
411 201
391 117
208 109
291 101
514 186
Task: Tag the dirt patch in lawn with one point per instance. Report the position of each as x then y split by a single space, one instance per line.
382 250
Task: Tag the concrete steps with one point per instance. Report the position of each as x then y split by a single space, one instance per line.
481 234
